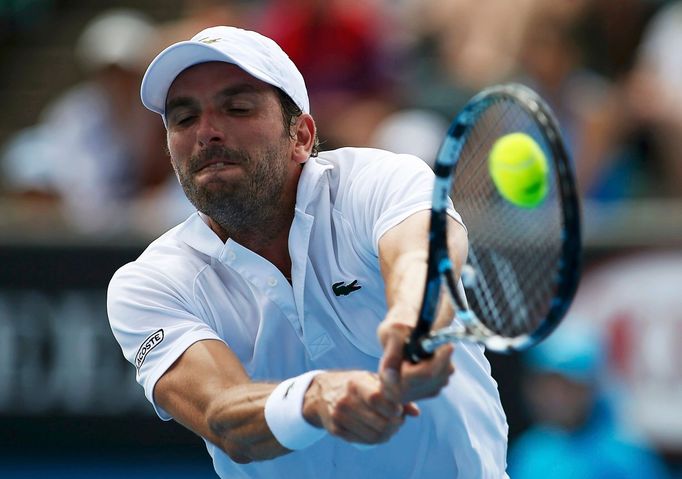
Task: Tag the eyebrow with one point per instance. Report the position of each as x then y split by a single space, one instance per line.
189 102
179 102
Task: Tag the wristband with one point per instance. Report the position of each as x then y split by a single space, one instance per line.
284 413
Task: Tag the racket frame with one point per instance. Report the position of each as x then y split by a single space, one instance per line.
440 274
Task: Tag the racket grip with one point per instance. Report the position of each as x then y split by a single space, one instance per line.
414 350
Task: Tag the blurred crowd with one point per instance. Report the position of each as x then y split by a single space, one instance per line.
387 74
573 406
384 73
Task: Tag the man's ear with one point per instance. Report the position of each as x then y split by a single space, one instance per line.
304 138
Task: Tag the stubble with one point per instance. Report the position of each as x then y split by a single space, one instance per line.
248 205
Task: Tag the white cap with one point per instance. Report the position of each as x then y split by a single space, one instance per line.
254 53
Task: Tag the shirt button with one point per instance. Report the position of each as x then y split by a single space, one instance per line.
272 281
231 255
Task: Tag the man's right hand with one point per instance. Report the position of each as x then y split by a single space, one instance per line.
404 381
353 406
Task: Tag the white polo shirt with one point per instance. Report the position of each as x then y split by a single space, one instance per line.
188 286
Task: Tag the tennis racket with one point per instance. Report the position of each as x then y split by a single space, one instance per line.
524 263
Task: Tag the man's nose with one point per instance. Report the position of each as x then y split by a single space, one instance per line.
208 132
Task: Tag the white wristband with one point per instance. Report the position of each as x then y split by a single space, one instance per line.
284 413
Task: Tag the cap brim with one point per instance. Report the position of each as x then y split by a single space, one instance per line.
173 61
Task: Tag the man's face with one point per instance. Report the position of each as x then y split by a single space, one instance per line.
228 144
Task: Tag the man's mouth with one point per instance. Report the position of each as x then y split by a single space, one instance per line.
216 158
214 165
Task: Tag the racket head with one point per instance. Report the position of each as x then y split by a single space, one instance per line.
526 260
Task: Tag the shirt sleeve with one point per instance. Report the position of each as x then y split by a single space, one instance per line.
386 190
153 322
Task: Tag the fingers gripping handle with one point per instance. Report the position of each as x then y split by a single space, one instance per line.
414 347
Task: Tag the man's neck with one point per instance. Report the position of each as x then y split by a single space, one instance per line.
270 240
267 235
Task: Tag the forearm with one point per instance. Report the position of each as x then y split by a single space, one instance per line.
208 391
235 421
258 421
404 256
405 280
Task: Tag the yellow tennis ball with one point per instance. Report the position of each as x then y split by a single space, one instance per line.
519 170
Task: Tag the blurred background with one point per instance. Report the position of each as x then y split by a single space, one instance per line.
85 184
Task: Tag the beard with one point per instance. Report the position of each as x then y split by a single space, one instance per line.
246 204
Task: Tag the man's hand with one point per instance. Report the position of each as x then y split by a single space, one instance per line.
353 405
404 381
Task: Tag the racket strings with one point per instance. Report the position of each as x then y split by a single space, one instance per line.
516 251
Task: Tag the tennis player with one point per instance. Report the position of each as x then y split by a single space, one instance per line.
272 322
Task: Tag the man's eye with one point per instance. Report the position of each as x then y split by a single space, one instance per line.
184 120
238 108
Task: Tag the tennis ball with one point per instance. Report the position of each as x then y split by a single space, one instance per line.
519 170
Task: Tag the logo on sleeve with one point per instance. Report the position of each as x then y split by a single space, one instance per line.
341 289
150 343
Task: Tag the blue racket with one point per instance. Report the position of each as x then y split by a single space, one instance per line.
523 266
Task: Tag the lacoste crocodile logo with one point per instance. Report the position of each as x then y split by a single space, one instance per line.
341 289
209 40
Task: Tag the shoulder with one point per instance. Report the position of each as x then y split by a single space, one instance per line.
168 263
355 157
366 166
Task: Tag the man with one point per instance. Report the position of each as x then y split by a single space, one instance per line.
260 321
576 431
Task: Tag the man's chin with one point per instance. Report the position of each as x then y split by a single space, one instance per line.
210 196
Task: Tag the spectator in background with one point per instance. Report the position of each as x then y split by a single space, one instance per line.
574 433
95 149
343 50
624 130
457 47
586 104
477 42
195 15
654 99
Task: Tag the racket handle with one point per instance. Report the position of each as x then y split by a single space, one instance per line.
414 350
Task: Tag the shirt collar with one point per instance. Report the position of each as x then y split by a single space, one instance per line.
313 171
199 236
